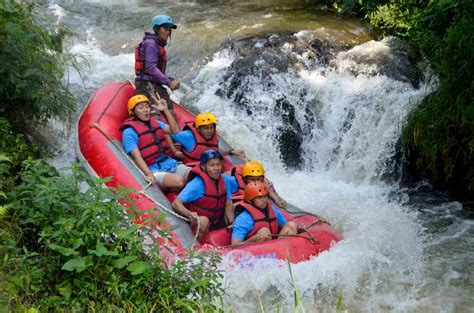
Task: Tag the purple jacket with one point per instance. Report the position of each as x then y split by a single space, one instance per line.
151 51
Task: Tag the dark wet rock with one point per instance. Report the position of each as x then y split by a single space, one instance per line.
290 136
270 64
258 59
392 57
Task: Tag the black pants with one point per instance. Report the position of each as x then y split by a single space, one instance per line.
148 88
219 224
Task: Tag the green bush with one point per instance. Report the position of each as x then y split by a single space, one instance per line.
439 137
32 63
66 249
438 140
13 151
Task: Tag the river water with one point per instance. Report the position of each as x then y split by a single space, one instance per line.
405 249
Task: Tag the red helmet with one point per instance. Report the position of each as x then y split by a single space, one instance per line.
254 190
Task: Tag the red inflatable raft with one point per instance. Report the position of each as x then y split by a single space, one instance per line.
100 149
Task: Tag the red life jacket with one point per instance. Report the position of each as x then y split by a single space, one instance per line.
212 204
261 218
237 173
151 139
140 59
201 144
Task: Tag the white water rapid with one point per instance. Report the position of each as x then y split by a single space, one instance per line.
393 257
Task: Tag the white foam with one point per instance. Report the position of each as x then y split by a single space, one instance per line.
383 263
379 265
98 68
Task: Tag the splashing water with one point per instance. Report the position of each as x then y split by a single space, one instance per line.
374 257
392 258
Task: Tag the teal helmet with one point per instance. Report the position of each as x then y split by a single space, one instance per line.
163 20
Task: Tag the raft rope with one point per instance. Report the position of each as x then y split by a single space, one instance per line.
159 205
310 237
112 100
143 191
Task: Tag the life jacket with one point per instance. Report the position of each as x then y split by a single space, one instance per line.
237 173
212 204
140 59
261 218
201 144
151 140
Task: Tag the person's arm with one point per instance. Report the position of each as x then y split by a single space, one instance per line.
130 145
287 227
290 228
162 106
137 157
238 153
186 139
176 153
229 212
179 207
243 224
151 61
255 238
258 237
194 190
279 201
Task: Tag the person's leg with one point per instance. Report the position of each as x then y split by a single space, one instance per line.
220 223
172 181
141 88
203 227
263 234
183 171
290 228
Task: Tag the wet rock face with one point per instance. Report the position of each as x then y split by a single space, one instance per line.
270 64
392 57
261 56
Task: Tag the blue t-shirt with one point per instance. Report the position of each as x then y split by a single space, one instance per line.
194 190
244 223
130 142
186 139
234 184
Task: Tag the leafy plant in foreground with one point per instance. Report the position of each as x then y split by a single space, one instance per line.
32 62
63 248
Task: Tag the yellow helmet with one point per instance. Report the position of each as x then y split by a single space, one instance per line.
253 168
133 101
204 119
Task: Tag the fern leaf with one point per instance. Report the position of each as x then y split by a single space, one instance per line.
4 158
3 210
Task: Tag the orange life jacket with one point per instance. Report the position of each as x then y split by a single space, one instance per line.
261 218
212 204
151 139
201 144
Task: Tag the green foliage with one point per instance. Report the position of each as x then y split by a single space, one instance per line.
13 151
67 249
346 6
439 137
31 66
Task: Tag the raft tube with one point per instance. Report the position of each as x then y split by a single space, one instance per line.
100 150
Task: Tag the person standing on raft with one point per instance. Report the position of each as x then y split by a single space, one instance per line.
151 59
144 139
259 218
206 198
